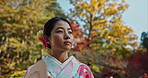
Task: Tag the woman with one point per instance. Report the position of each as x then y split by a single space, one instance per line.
57 36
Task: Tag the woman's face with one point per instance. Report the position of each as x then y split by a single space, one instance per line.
61 37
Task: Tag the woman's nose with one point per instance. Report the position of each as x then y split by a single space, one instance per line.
66 36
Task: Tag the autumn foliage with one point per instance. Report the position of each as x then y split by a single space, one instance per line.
137 65
102 40
80 42
105 35
20 20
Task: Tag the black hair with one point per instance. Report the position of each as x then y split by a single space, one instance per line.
50 25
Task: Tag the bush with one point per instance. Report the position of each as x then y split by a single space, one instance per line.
18 74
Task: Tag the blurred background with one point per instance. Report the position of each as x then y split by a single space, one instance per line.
111 36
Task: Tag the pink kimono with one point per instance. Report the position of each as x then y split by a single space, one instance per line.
71 68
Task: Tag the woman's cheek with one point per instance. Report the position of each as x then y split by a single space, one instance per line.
57 39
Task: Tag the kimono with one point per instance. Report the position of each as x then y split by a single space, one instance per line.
71 68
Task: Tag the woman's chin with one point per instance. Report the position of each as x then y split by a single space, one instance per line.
66 48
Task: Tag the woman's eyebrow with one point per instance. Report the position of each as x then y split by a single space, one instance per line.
63 28
59 28
69 29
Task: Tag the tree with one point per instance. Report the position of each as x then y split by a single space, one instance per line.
20 21
80 43
137 64
144 39
103 27
143 59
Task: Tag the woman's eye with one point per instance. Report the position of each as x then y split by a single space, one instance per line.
70 32
59 31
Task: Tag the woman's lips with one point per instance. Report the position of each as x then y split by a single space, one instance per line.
67 42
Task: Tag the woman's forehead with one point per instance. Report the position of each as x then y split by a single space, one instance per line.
61 24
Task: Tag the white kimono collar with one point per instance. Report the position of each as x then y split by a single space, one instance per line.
62 65
51 61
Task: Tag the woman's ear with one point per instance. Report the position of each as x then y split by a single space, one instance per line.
46 38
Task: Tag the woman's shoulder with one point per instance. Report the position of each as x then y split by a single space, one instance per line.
39 67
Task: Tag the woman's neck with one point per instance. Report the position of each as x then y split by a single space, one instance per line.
60 56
